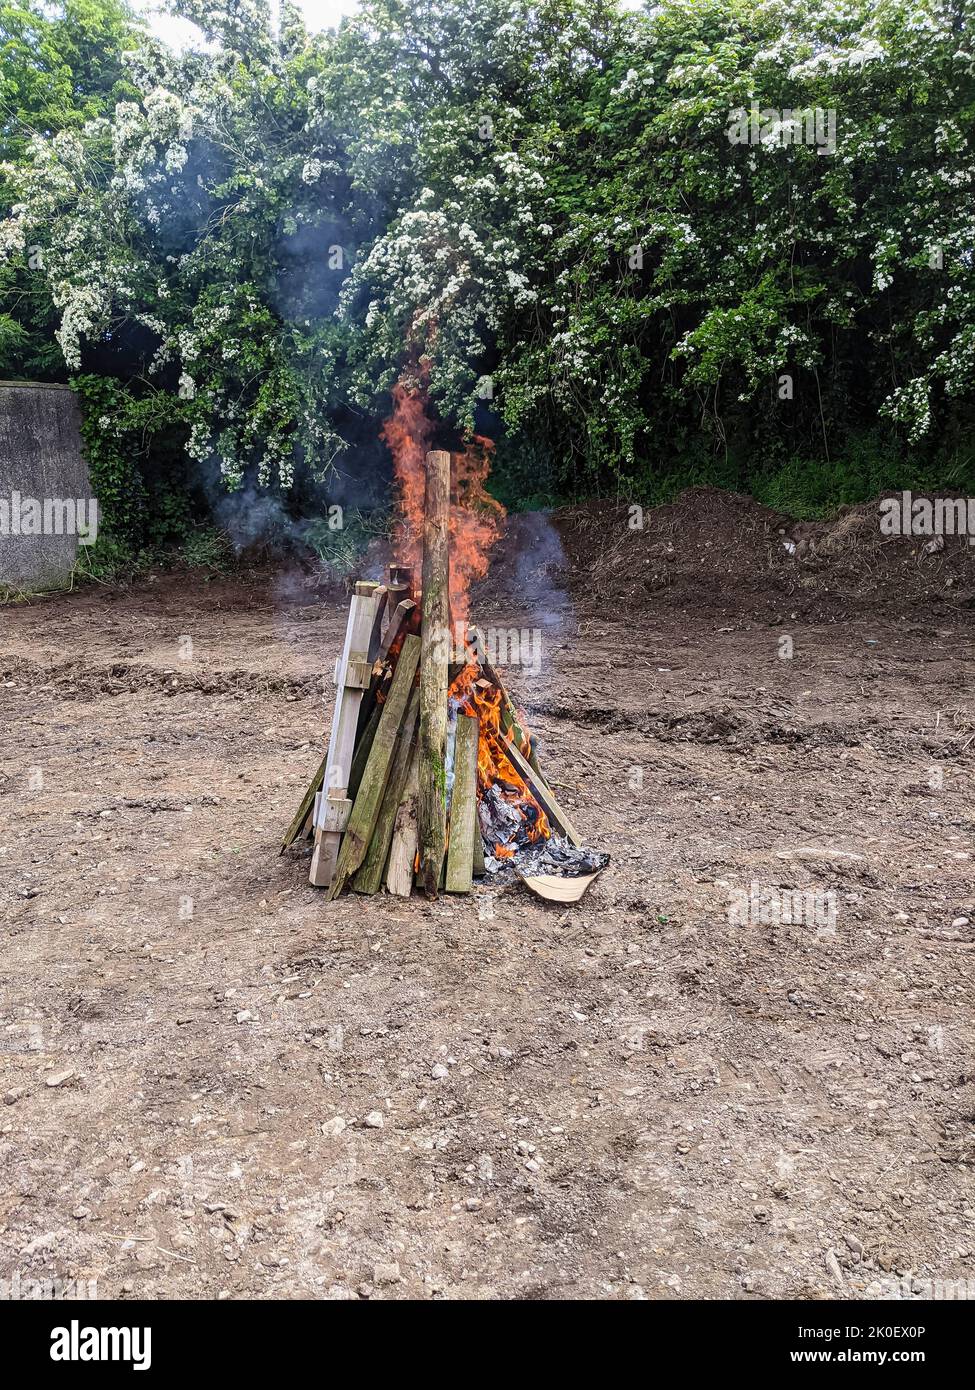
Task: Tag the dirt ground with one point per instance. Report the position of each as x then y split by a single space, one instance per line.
631 1098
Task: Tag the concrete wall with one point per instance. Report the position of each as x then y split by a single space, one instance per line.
40 459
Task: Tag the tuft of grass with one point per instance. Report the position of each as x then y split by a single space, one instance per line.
340 550
206 547
811 489
108 561
865 466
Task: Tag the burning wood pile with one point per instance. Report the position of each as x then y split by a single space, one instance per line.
430 776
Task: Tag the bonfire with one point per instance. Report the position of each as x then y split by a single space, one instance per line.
431 777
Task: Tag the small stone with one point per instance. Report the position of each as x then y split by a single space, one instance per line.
472 1203
833 1265
80 1213
47 1241
335 1126
854 1244
960 922
374 1120
244 1016
13 1095
58 1078
385 1274
439 1072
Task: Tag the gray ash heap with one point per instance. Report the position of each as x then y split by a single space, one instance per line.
554 856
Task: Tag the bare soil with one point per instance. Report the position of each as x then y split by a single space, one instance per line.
629 1098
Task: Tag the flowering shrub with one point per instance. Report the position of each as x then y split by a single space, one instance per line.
606 227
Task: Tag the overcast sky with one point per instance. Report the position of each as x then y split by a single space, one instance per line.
319 14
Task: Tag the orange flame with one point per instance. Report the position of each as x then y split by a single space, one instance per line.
408 433
494 767
475 523
476 517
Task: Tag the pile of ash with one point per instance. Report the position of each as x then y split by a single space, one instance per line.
554 856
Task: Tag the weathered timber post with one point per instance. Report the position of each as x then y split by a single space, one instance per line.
434 658
463 807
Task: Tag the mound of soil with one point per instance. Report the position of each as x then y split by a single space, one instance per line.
728 552
711 549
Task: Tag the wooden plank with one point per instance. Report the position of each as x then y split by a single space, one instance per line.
369 876
400 619
402 850
375 638
307 803
536 785
434 658
380 673
370 712
358 675
368 802
363 747
463 807
335 814
341 744
477 867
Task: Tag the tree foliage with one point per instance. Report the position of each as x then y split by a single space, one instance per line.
542 196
